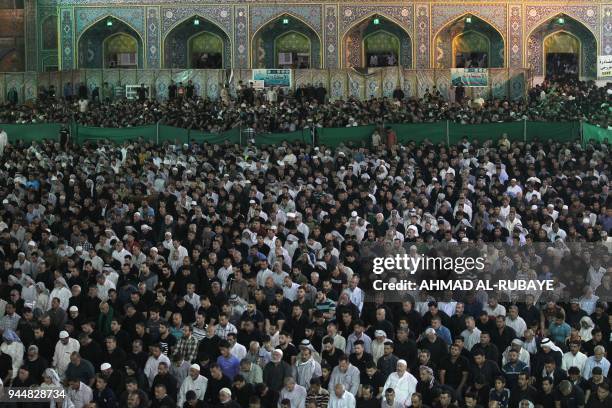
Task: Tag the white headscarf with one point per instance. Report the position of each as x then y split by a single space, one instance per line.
586 326
55 379
546 342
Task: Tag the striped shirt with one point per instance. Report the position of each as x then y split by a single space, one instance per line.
198 333
321 399
328 306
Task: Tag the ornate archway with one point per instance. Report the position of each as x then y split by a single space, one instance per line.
196 42
286 42
562 46
468 42
120 51
471 48
376 41
293 43
110 43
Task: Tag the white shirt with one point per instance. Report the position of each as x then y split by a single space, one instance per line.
499 310
61 357
15 350
514 190
198 385
63 294
524 356
470 338
517 324
262 276
83 103
403 386
120 256
291 292
194 300
80 397
153 365
3 140
223 273
297 396
357 297
238 351
104 288
570 360
346 401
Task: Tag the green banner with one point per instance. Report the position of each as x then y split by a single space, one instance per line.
418 132
173 135
486 131
359 135
231 136
592 132
271 139
557 131
31 132
440 132
85 133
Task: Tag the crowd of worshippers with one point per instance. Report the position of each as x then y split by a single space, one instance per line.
202 275
274 110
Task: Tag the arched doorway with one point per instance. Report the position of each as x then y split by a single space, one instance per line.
468 42
197 43
120 51
110 43
381 49
377 42
205 51
292 50
561 55
471 49
286 42
562 48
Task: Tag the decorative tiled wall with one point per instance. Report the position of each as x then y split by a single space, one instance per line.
332 22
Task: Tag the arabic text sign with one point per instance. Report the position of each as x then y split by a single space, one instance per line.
470 77
604 66
273 77
258 83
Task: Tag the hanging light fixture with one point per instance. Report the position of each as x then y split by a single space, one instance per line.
468 20
109 23
560 20
376 21
285 21
196 22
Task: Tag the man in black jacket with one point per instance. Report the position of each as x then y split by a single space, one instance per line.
602 399
216 382
168 380
161 398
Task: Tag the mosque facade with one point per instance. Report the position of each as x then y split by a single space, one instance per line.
513 39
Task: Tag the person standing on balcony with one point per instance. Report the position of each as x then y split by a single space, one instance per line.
3 141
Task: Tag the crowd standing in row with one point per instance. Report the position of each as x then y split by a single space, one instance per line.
277 111
141 275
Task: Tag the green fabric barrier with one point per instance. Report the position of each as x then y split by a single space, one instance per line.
32 132
435 132
418 132
592 132
486 131
231 136
357 135
173 135
277 138
558 131
84 133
